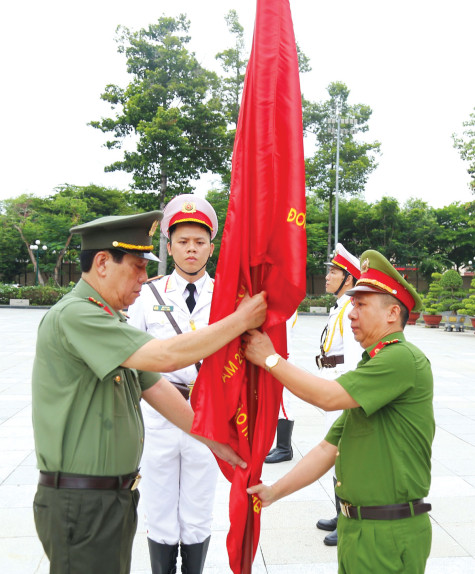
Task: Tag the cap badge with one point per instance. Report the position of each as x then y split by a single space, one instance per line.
189 207
365 266
153 228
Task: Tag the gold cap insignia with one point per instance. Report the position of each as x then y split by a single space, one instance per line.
189 207
153 228
365 266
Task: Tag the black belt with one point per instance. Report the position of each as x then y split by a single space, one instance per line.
324 362
183 388
388 512
66 480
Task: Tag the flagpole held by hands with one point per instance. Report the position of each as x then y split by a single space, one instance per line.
252 402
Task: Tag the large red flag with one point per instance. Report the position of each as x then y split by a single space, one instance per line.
263 247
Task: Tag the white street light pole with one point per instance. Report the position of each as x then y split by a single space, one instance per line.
36 248
338 121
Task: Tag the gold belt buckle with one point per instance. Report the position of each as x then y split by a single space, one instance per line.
135 484
344 508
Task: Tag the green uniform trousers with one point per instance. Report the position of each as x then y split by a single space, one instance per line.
86 530
384 546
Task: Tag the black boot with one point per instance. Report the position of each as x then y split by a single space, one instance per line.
162 557
330 525
283 450
193 557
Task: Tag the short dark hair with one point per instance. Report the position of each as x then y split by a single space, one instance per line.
404 314
173 228
86 257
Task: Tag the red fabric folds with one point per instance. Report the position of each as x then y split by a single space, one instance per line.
263 247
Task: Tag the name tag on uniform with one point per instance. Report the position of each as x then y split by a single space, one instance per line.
163 308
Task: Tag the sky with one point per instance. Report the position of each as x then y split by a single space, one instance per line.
411 61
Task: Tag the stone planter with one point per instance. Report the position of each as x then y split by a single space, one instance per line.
432 321
413 316
454 322
19 302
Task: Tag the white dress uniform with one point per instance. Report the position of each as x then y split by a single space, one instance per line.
339 340
179 473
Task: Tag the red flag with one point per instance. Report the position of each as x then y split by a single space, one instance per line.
263 247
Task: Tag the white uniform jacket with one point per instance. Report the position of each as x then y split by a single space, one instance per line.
339 340
148 315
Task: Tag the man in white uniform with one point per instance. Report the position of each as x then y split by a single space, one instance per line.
179 473
339 351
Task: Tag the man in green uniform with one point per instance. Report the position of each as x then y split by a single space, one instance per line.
91 369
381 444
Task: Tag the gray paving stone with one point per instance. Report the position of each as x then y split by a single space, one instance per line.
289 542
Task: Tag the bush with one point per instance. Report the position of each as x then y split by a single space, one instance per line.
8 292
37 294
468 304
326 301
445 293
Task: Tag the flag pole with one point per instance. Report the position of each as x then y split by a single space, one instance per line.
252 403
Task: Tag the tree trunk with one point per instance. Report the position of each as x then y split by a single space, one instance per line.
59 261
32 256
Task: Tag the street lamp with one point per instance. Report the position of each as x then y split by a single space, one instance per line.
36 248
339 121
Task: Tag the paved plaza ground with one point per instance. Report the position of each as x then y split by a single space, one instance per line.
289 543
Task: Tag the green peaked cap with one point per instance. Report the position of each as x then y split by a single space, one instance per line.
129 233
379 276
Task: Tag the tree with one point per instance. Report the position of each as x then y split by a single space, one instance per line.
49 220
233 61
357 159
171 108
456 234
465 144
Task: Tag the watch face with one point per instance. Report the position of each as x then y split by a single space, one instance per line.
271 361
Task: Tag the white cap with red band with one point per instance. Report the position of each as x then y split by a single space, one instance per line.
189 208
346 261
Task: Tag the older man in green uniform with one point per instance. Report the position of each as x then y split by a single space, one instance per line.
91 370
381 444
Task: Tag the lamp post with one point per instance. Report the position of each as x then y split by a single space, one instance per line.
36 248
339 120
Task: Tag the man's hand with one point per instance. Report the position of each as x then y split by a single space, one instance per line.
253 309
265 493
223 451
257 346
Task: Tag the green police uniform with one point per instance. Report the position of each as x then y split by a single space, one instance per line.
87 419
384 457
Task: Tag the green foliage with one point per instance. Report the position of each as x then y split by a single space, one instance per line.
327 301
171 108
445 293
357 159
465 144
37 295
468 304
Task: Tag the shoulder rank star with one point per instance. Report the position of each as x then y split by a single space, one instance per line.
99 304
381 345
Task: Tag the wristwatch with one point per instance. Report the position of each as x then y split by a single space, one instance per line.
271 361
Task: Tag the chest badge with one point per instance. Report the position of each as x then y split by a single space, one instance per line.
163 308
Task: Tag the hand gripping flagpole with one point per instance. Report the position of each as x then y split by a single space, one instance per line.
252 403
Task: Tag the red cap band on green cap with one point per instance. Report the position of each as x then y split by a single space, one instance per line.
375 278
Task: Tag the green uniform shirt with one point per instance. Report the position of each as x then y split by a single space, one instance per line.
86 411
385 444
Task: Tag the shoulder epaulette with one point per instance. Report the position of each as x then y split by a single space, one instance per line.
154 278
381 345
99 304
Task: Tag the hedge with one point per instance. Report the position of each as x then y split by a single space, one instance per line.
37 294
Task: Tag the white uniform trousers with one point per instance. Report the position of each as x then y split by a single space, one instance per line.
178 486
